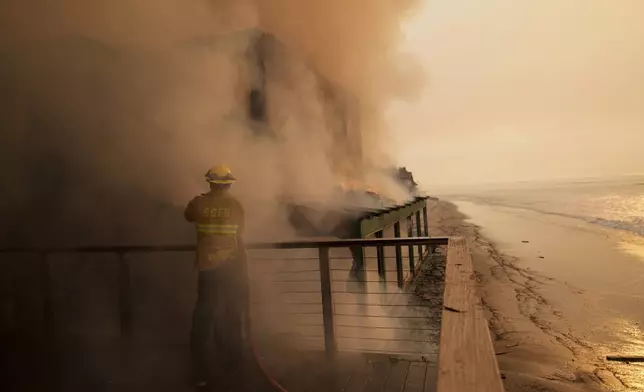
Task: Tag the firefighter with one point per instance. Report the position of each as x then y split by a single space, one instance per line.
221 258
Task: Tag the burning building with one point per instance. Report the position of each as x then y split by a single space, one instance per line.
272 85
406 179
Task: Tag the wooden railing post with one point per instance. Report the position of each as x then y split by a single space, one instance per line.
426 225
419 233
125 300
327 302
399 267
380 252
410 248
357 252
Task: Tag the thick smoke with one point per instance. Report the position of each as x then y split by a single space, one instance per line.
113 110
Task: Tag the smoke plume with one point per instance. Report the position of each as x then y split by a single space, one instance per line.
113 110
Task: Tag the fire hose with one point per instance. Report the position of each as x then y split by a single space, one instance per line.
253 347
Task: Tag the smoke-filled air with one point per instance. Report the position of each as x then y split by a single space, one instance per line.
525 91
112 111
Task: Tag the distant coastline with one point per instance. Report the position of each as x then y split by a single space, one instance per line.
616 203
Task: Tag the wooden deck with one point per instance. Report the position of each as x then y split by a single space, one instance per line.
297 372
466 356
360 373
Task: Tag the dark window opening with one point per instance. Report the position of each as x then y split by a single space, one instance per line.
257 105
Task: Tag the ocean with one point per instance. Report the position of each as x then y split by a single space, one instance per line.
582 245
616 203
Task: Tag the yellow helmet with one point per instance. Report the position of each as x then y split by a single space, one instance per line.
220 174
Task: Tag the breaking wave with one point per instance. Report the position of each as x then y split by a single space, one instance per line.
630 224
636 226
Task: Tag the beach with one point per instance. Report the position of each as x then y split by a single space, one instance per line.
559 293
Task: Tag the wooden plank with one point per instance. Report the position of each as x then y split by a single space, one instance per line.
371 225
396 378
466 360
291 379
415 377
312 372
378 377
353 373
360 377
342 371
430 378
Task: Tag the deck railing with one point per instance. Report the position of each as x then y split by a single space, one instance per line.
124 258
466 359
413 215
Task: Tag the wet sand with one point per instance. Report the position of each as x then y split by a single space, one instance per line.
559 294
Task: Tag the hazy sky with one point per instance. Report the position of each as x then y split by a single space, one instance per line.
525 89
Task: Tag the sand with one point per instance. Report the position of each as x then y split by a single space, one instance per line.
559 296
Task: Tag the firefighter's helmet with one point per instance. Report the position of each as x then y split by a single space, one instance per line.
220 174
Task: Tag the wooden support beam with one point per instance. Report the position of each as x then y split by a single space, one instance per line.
330 345
373 224
399 263
380 252
410 248
419 233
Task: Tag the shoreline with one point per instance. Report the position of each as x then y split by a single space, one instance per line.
535 350
603 223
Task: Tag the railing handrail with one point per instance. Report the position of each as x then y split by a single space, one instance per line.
387 217
335 243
